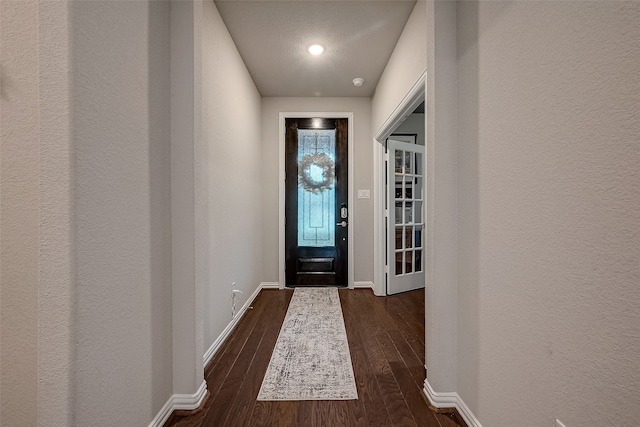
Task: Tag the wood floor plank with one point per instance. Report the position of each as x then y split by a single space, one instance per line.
394 401
219 369
408 386
378 305
331 413
414 365
368 390
234 380
392 397
246 323
229 390
195 420
304 413
270 414
449 420
357 413
404 318
386 342
411 332
245 400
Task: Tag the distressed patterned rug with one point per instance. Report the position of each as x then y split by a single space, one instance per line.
311 359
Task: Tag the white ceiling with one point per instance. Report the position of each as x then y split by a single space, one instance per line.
272 37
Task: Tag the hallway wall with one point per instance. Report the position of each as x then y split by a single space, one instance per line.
231 122
549 212
363 177
415 123
19 213
406 64
121 170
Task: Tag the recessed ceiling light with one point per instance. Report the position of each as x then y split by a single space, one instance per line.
315 49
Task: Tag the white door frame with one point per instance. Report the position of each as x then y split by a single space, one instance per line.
412 99
281 190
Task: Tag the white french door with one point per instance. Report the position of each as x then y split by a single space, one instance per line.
405 219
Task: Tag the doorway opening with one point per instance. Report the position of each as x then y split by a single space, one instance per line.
395 196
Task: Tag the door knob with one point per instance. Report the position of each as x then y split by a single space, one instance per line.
342 223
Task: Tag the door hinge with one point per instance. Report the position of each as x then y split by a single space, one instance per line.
386 269
386 157
386 213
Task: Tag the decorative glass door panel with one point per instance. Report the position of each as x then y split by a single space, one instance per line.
405 254
316 189
316 214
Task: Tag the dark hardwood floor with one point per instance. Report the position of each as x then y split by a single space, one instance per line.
386 341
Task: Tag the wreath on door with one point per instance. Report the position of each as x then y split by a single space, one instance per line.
319 160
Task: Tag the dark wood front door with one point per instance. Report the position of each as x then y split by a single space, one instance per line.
316 211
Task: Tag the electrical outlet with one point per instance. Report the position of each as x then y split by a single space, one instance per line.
234 291
233 300
559 423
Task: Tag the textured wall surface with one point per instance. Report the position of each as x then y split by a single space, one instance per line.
441 228
407 63
186 196
363 177
19 216
56 282
35 224
231 134
549 146
122 210
413 124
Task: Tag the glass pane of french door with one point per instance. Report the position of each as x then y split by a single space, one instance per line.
408 213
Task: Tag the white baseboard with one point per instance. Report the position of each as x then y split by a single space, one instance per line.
450 400
269 285
368 285
164 414
225 334
185 402
188 402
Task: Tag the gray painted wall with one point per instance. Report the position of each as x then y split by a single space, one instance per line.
406 64
36 281
121 165
231 123
19 213
549 212
414 124
441 197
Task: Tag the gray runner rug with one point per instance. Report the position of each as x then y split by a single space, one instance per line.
311 359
